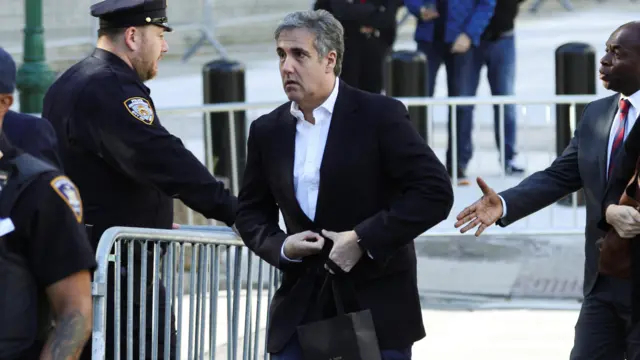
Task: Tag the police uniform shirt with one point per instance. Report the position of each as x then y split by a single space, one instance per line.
48 230
113 146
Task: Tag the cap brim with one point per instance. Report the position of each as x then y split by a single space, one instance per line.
166 27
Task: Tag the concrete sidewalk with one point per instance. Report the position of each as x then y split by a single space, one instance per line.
526 334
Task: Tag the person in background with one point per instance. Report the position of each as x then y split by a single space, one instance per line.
29 133
445 33
369 33
497 50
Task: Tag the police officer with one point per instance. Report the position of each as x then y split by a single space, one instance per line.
114 147
45 256
369 33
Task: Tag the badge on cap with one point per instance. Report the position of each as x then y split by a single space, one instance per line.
140 109
69 194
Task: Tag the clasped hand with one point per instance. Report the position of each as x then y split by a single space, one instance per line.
624 219
345 253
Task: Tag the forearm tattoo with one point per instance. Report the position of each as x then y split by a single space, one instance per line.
68 337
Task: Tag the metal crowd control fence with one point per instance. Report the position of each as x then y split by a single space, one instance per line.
527 105
192 270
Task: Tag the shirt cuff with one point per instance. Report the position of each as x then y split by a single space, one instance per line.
504 207
368 253
284 257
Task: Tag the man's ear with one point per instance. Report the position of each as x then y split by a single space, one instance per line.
132 38
332 57
6 100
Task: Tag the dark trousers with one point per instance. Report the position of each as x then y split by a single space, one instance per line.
500 58
293 352
162 308
456 66
604 330
362 63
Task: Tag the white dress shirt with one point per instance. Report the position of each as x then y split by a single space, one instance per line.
310 143
632 116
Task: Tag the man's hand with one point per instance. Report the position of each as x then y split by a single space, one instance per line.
484 212
366 29
624 219
303 244
427 14
346 251
462 44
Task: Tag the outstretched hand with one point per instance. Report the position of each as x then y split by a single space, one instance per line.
482 213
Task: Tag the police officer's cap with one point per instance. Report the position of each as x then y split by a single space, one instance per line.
125 13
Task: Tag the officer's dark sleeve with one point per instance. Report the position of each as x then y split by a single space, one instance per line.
144 150
47 145
58 245
365 14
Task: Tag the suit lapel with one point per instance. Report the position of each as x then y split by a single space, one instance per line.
339 134
603 147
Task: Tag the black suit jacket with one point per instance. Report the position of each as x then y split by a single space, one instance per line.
583 164
624 169
378 177
33 135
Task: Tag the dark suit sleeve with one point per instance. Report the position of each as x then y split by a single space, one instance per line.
365 14
545 187
258 214
148 153
424 193
46 146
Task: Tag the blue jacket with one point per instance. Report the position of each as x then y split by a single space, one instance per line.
32 135
468 16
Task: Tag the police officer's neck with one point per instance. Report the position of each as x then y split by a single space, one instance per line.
105 44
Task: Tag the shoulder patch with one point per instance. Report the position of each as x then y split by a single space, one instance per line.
69 194
141 109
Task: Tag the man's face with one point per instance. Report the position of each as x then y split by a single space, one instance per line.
302 70
620 66
6 100
151 47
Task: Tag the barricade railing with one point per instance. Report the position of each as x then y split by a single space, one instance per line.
193 257
527 105
199 273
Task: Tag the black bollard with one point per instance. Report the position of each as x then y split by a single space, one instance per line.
405 75
223 82
575 75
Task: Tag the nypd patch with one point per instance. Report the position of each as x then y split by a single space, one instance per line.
140 108
69 194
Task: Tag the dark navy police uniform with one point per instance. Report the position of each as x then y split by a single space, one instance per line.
128 167
48 230
32 135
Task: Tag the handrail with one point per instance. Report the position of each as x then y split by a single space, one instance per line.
409 101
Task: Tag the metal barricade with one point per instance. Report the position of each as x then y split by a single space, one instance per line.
200 260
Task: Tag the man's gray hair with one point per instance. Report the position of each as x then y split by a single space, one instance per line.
329 33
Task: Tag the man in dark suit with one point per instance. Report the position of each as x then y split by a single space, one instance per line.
605 329
356 184
31 134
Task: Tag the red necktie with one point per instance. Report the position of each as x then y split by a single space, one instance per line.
619 138
362 1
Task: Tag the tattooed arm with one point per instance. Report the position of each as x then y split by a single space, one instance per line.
70 300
